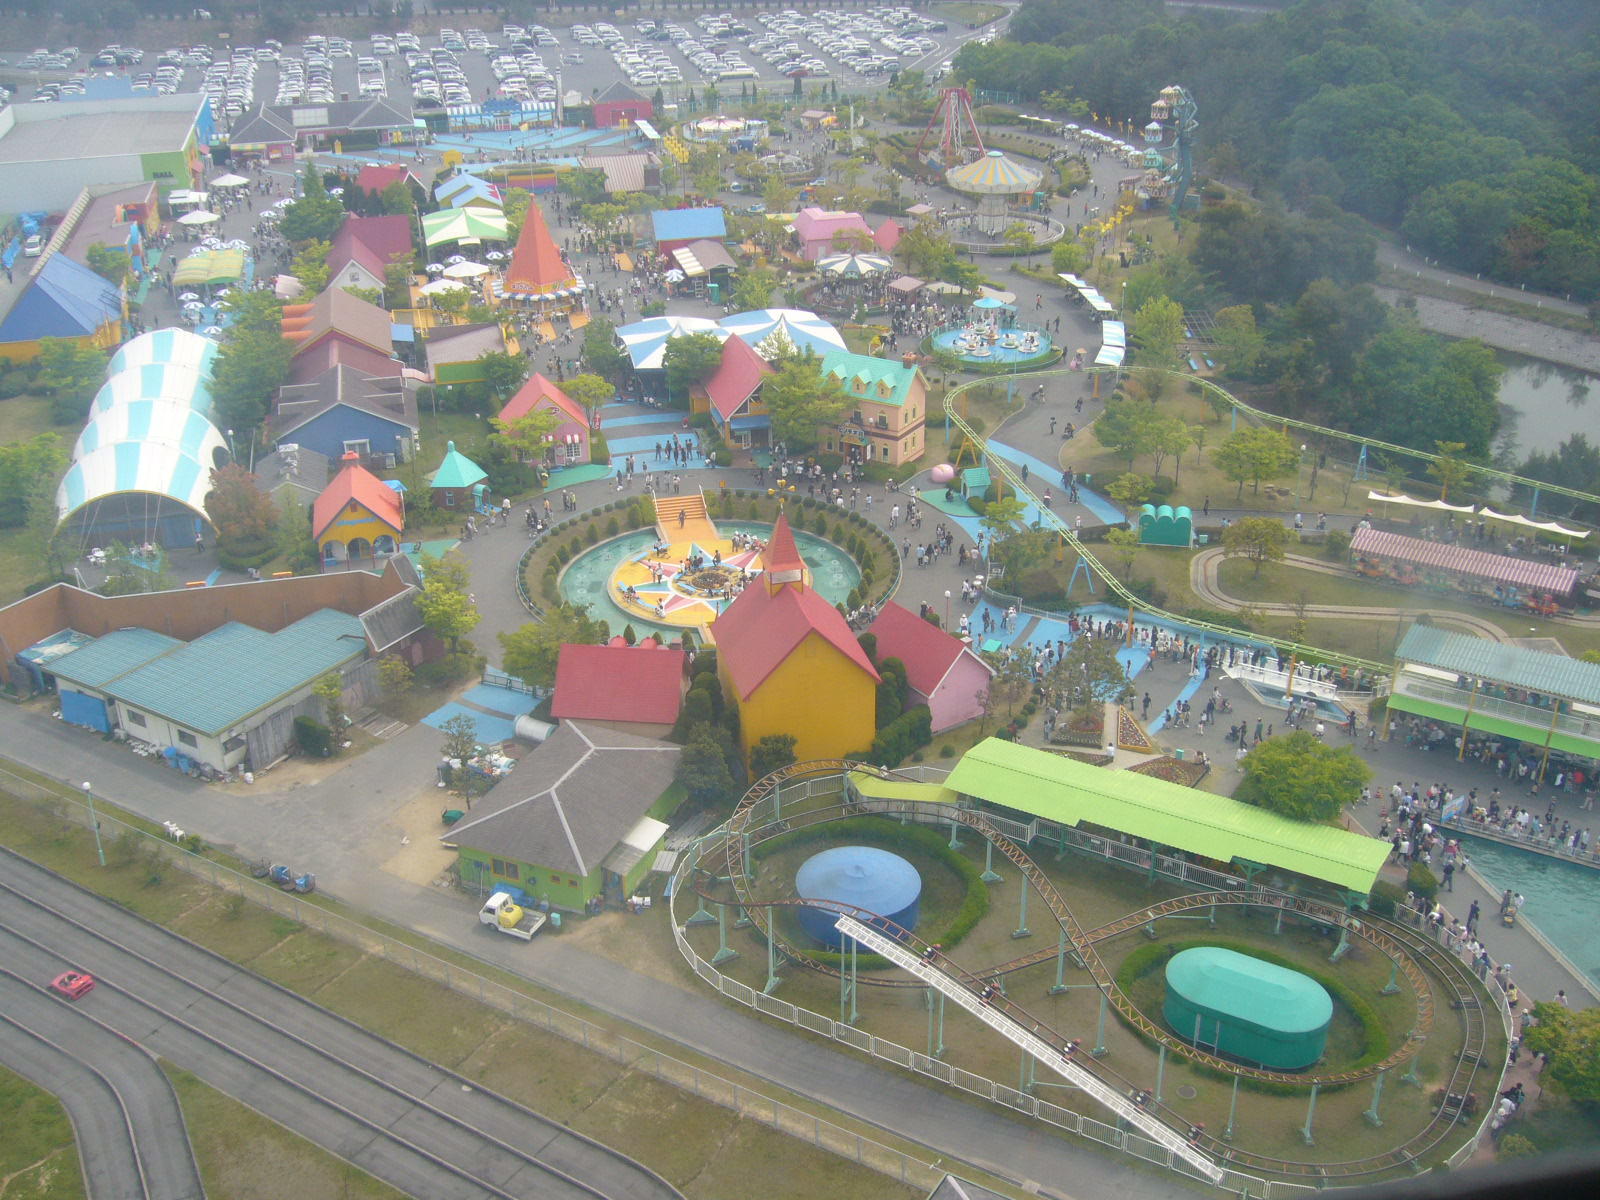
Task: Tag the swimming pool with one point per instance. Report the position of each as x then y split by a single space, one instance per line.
833 572
1563 899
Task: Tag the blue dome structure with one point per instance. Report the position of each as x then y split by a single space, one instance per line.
864 876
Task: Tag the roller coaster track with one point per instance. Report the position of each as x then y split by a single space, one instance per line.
723 856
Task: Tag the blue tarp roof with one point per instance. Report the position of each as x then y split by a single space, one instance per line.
66 299
674 224
760 421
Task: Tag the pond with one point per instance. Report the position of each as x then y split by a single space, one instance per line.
1542 404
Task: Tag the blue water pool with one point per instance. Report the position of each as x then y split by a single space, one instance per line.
1563 899
999 351
833 572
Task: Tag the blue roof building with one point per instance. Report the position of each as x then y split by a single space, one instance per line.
65 300
676 227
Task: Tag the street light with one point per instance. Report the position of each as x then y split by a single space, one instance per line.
947 610
94 822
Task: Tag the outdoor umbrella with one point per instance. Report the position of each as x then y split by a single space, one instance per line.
494 255
434 268
440 286
198 217
188 296
230 181
456 258
674 276
465 270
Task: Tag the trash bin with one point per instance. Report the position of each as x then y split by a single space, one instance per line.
1178 754
555 922
715 291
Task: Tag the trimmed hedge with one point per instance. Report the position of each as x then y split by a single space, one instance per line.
891 835
1375 1048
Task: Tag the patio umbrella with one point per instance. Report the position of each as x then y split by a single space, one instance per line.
440 286
230 181
465 270
434 268
495 255
198 217
674 276
456 258
188 296
335 191
211 330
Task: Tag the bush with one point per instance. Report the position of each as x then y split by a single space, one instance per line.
452 668
1336 544
1514 1145
599 452
1161 489
1040 587
1422 882
1386 899
240 554
313 737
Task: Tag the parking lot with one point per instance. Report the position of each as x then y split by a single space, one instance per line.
858 50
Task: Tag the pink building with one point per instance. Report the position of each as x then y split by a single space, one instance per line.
569 443
823 232
942 671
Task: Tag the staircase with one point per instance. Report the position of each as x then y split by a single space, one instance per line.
684 519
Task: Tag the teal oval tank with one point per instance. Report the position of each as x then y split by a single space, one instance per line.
1242 1007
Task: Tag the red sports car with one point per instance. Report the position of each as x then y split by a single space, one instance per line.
72 984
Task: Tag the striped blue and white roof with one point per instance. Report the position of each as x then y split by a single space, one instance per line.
155 381
149 429
177 346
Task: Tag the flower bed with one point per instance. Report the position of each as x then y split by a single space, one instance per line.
1131 735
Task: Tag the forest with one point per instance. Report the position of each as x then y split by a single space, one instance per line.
1465 126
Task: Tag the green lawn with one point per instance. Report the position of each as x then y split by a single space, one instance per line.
37 1158
25 417
969 13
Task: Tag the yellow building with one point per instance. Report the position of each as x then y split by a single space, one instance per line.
357 516
791 663
888 418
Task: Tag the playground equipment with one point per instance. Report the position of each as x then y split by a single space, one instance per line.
1174 110
959 139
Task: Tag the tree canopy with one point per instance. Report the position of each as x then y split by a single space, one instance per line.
1259 539
253 361
530 652
802 401
690 360
1572 1041
444 604
314 215
1298 776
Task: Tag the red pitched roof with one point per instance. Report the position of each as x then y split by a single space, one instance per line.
887 235
736 378
355 482
335 351
536 264
374 242
374 178
619 683
781 553
760 629
927 652
539 388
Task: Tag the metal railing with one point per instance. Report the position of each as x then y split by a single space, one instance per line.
1543 720
707 1085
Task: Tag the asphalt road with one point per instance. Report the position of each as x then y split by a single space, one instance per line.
416 1125
132 1142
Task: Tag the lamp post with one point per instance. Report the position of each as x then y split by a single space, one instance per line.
94 822
1297 470
947 610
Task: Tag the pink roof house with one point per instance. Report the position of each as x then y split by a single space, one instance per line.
942 671
570 441
822 232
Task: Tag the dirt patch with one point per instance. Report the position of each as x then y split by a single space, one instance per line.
421 857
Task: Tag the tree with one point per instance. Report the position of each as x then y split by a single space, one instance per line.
690 360
1302 778
1158 332
460 744
1255 454
43 542
253 362
1130 427
1448 469
753 289
1019 236
503 372
395 678
396 199
1089 673
243 515
315 215
71 373
1018 550
1124 544
310 266
330 691
530 652
109 262
1239 342
586 185
601 353
444 604
1260 539
802 401
1068 257
703 766
529 435
1129 490
1001 517
588 391
1572 1042
772 752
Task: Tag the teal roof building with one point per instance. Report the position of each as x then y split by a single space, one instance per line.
459 483
877 378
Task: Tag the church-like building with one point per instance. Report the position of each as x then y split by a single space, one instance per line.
791 664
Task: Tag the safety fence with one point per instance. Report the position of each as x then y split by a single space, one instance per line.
647 1060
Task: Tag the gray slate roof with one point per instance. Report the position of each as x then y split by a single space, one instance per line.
595 784
1548 674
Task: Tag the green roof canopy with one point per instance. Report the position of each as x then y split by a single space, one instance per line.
1461 654
459 224
1070 793
873 788
457 470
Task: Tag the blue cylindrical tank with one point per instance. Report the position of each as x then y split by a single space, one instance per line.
869 878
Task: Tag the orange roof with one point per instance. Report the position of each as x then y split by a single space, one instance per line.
354 484
539 388
536 264
761 629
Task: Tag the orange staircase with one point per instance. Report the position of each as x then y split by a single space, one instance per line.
684 519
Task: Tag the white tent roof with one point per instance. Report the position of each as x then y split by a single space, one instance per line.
167 381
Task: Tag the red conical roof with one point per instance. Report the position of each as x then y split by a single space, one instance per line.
781 559
536 264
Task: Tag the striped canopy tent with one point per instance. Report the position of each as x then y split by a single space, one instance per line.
177 347
646 341
181 381
210 267
768 330
460 224
853 266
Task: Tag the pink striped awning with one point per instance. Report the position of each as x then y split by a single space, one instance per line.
1443 556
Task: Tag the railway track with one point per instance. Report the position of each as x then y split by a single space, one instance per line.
416 1125
131 1140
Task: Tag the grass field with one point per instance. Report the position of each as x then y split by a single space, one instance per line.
38 1155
